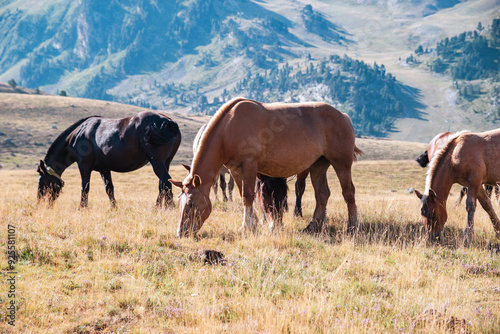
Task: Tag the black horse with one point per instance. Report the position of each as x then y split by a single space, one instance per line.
271 196
105 145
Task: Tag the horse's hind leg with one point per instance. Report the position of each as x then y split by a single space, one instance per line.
222 180
485 202
108 185
463 192
164 187
321 193
488 189
230 187
344 175
300 188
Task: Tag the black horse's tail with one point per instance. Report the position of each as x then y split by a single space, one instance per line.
162 132
423 160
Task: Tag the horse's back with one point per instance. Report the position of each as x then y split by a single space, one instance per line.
281 134
479 153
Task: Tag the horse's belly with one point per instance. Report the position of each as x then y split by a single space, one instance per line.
286 167
122 159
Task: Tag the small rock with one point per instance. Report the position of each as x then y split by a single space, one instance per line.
410 190
54 127
211 257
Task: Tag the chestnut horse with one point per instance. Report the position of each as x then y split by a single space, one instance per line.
274 139
470 159
105 145
434 145
222 171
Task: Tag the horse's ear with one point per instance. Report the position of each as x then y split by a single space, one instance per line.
418 193
178 184
187 167
432 194
41 167
196 181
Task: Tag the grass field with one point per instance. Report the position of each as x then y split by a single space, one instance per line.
117 271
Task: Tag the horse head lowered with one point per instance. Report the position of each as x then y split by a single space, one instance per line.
49 183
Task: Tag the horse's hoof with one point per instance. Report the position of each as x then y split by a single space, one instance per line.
312 228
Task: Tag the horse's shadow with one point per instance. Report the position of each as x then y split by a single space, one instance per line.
397 234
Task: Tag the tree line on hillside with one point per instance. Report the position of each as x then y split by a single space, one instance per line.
470 55
468 58
372 97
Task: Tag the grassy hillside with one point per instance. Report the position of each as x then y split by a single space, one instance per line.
30 123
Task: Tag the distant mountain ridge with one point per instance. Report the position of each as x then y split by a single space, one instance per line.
134 51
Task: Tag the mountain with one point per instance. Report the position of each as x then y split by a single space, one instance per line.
187 55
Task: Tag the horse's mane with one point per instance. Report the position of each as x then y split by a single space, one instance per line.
216 118
438 158
63 136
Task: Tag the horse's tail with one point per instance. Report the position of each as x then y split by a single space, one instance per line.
357 152
161 133
423 159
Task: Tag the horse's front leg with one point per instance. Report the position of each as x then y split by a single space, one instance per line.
485 202
343 171
249 175
321 193
164 186
108 185
85 174
230 187
470 206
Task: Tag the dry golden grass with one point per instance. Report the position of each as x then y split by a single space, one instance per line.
103 270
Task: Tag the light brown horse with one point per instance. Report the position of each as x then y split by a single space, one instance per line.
434 145
470 159
278 140
222 171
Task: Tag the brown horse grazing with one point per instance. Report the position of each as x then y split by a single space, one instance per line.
470 159
271 197
222 171
105 145
273 139
434 145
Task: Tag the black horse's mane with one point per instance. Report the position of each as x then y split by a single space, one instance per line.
64 135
